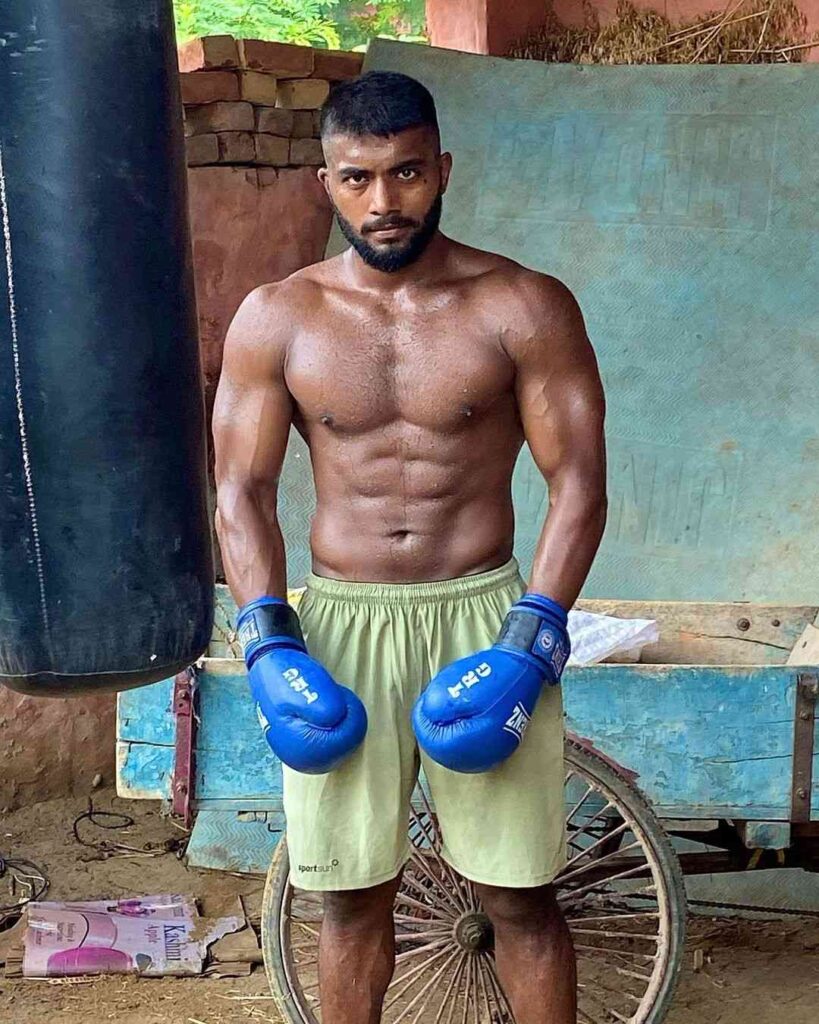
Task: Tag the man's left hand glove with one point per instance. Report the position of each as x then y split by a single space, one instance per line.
473 714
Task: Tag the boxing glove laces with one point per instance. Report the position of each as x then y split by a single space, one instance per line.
474 713
310 721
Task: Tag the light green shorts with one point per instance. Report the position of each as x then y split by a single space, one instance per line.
348 829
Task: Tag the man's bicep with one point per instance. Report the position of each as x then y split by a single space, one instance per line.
253 408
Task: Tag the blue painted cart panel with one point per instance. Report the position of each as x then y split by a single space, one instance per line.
706 741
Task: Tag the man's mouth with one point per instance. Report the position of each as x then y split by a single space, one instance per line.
387 232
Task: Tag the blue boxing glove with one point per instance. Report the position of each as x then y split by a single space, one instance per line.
473 714
310 722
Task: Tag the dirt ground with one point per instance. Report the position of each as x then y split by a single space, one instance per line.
763 971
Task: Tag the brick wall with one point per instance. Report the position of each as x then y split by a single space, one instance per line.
253 103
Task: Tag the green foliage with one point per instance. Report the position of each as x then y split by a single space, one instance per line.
336 24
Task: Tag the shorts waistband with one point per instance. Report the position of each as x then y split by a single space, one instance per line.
414 593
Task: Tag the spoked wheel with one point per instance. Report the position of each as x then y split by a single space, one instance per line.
621 892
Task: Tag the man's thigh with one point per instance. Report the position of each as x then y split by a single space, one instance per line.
347 830
507 827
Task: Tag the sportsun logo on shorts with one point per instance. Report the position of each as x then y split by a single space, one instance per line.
307 868
517 722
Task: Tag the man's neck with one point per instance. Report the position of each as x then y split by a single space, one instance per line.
428 267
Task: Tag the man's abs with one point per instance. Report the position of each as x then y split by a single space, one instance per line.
435 540
405 505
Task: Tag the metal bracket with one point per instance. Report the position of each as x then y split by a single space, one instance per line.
807 691
184 709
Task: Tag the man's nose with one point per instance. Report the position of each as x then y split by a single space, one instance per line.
383 198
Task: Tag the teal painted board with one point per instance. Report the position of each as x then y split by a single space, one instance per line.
144 770
232 758
234 840
145 714
707 741
679 204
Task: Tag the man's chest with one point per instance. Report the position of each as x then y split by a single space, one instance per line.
431 372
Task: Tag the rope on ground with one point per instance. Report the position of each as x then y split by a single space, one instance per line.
24 877
106 848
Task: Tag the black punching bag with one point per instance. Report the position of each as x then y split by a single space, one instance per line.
105 562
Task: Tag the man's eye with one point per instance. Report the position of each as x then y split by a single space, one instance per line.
408 173
356 179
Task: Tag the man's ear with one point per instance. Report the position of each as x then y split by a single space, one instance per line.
323 176
445 169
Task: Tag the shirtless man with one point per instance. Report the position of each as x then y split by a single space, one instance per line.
414 367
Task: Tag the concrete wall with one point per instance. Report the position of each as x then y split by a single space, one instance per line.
481 26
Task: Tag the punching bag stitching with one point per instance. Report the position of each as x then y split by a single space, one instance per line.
18 391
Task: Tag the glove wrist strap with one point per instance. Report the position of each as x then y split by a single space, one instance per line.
265 623
536 627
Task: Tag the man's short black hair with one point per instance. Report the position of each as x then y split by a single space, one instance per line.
378 103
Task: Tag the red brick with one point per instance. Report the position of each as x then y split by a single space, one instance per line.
280 59
209 86
302 93
207 53
236 147
258 87
302 124
272 150
275 121
219 117
306 151
202 149
336 64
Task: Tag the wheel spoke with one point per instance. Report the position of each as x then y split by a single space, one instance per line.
613 935
610 917
572 895
594 861
436 912
494 980
411 954
433 901
585 828
459 973
485 987
425 989
605 838
438 933
419 859
411 976
467 987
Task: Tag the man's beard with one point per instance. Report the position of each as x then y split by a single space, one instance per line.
394 257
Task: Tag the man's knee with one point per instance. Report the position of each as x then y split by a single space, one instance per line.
360 908
521 909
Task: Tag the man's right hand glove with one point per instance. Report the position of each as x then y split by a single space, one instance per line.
310 722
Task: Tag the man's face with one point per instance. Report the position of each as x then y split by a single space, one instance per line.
386 193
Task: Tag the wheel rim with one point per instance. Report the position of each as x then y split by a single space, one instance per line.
619 903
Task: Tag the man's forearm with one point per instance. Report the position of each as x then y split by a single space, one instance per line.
252 547
565 552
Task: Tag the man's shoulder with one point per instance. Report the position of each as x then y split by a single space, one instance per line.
293 290
532 309
510 280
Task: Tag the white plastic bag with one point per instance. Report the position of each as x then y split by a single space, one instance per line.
595 637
